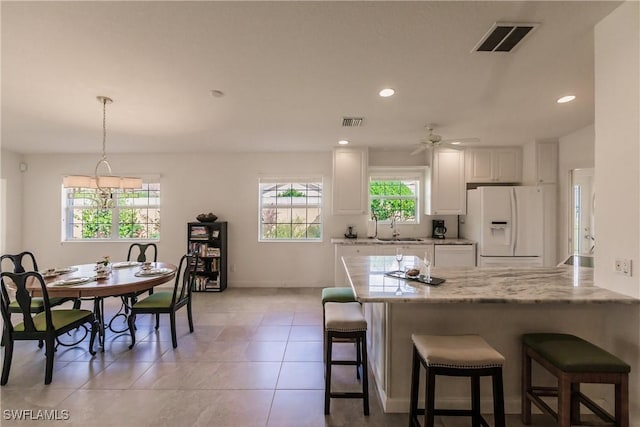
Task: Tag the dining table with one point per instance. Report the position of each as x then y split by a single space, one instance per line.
125 279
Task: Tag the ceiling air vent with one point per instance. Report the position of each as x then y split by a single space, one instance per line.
352 122
503 37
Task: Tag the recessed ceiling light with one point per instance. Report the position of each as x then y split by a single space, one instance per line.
455 143
567 98
387 92
343 142
216 93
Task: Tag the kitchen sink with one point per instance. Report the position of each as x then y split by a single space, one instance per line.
401 239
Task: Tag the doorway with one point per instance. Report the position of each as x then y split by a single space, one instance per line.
582 231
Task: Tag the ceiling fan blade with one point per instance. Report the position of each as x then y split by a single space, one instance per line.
418 150
462 140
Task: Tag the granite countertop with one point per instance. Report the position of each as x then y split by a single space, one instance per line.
422 241
525 285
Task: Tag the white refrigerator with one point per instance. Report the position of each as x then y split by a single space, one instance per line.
507 223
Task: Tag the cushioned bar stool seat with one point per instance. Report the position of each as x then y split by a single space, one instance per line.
460 356
572 361
345 320
338 295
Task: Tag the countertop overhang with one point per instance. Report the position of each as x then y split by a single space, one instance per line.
523 285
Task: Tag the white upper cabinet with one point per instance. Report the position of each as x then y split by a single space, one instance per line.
494 165
547 162
445 192
350 189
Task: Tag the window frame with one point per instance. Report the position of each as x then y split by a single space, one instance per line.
296 180
398 173
67 223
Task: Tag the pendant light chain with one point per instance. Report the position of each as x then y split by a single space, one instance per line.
104 128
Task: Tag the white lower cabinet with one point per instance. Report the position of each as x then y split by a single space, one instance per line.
455 256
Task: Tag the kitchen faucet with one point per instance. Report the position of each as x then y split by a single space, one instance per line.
394 225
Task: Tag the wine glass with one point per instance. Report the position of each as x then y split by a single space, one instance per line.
399 258
427 264
398 289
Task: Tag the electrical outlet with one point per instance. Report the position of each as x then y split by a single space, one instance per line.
623 266
233 268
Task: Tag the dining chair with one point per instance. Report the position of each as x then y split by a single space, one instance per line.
37 304
169 301
46 325
142 257
142 251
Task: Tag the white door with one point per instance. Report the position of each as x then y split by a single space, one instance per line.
528 221
497 213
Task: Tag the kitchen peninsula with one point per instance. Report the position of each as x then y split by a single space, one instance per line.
496 302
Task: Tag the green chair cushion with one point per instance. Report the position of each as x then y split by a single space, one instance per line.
573 354
37 304
338 295
156 300
60 319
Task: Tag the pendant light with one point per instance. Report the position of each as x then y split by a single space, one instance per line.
104 185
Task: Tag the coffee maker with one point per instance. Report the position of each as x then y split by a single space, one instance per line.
438 230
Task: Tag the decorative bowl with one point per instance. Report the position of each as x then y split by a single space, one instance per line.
210 217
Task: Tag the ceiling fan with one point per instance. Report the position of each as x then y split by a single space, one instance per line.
432 139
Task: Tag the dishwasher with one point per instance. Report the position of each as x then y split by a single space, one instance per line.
455 256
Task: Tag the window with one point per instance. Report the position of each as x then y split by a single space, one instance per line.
290 209
135 215
395 192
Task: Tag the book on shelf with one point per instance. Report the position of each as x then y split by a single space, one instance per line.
198 232
204 283
213 252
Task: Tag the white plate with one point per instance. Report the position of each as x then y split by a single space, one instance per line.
154 272
125 264
48 275
72 281
65 270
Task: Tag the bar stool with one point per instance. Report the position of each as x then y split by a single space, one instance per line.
458 356
345 320
335 294
572 360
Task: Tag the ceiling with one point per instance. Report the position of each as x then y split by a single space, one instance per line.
289 72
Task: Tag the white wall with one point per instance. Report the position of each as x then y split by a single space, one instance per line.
617 163
11 202
617 147
575 151
226 184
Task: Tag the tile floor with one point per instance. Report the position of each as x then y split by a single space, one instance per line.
254 359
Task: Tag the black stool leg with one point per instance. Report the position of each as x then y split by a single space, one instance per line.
525 411
415 384
365 374
358 357
498 399
475 401
430 398
327 373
